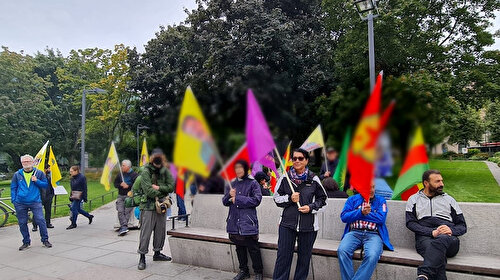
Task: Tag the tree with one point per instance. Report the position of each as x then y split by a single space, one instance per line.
468 126
492 119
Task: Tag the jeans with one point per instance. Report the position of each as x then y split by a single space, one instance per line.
47 207
286 244
372 245
181 205
123 212
435 252
248 243
22 217
76 208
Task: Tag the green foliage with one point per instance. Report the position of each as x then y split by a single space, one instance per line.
492 119
494 159
478 156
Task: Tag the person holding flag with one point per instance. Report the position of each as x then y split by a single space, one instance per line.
78 195
328 168
124 182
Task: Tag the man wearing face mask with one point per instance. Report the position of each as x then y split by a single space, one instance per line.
25 195
437 221
156 182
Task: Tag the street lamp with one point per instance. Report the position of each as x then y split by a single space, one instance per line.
82 151
139 126
370 7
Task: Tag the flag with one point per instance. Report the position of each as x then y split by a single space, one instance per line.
39 160
111 161
362 155
181 183
55 173
260 142
415 164
340 172
287 162
227 171
194 147
273 181
144 154
384 120
314 141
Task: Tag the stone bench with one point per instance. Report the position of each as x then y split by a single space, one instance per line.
205 242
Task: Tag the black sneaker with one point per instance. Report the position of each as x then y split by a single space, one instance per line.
242 275
71 227
47 244
50 226
24 246
161 257
259 276
34 229
91 217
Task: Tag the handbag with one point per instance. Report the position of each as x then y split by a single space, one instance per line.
76 195
162 204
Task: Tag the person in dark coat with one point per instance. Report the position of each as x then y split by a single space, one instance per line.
331 162
242 224
332 189
213 185
263 181
78 183
46 195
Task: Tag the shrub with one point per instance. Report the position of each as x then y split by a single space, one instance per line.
472 152
494 159
497 154
479 156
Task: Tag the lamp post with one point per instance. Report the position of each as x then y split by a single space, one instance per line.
139 126
370 7
82 147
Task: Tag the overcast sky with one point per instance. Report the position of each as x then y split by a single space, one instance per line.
31 25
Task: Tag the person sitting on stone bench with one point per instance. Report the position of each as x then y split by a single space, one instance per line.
365 228
437 221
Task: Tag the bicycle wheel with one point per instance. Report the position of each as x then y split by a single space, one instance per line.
4 215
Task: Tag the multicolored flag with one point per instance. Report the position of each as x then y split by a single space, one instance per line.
287 161
341 171
55 173
260 142
194 147
111 161
314 141
362 155
144 154
181 183
39 160
415 164
227 171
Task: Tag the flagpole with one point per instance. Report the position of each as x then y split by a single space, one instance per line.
326 160
286 173
219 159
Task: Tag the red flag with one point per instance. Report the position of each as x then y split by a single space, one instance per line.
386 115
242 153
179 183
362 154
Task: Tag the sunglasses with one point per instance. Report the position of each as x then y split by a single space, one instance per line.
298 158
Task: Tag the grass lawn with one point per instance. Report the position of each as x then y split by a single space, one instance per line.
95 191
466 181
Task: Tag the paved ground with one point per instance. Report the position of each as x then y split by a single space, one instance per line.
495 170
88 252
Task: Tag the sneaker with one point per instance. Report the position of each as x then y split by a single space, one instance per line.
242 275
161 257
142 262
50 226
123 231
24 246
34 229
91 217
71 227
47 244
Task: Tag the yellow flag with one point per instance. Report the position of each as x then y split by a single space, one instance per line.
39 161
144 154
55 173
111 161
314 141
194 146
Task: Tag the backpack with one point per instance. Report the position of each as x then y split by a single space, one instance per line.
136 195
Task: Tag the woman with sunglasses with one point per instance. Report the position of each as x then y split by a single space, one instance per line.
298 223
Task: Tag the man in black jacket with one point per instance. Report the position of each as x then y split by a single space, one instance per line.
437 221
124 185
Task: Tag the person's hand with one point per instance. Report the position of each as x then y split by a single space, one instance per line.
327 174
304 209
232 192
295 196
266 186
201 188
435 233
156 187
366 210
34 178
444 229
124 185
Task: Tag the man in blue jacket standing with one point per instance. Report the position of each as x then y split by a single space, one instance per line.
365 227
25 195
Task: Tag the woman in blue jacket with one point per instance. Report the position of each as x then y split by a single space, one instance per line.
78 183
242 223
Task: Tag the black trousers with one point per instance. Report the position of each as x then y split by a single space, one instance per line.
286 245
47 206
435 252
248 243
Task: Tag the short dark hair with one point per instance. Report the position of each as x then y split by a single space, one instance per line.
302 151
330 184
428 173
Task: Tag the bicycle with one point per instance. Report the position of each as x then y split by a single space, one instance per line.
4 213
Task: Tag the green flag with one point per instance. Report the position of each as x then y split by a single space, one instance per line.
341 170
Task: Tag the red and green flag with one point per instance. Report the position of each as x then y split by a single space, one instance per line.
341 170
415 164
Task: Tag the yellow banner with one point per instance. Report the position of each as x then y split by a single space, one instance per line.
39 161
314 141
144 154
111 161
194 146
55 173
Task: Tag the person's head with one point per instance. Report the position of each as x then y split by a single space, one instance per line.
126 165
330 184
261 177
158 158
27 162
74 170
331 154
300 158
433 182
241 168
47 167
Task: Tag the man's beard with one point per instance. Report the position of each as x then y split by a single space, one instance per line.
437 190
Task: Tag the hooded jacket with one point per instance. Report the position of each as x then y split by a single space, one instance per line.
149 176
22 193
